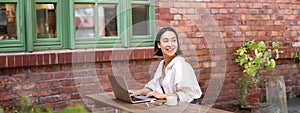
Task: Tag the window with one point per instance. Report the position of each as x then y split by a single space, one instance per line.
84 18
29 25
47 25
140 17
46 21
11 23
113 23
142 23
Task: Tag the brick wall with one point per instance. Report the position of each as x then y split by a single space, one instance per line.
209 31
216 28
61 78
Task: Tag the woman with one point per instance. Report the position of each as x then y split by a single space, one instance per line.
174 76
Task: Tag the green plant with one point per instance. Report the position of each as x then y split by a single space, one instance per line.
295 56
253 56
74 109
28 108
1 110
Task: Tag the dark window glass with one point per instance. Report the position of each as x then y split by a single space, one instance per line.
8 23
107 15
46 20
140 20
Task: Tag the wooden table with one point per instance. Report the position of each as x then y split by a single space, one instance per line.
182 107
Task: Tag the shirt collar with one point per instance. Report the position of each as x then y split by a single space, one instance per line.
174 60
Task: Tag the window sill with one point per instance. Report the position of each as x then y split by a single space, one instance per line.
50 57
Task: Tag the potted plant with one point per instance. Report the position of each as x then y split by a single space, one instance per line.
253 56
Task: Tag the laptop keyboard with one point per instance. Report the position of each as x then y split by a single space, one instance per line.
136 99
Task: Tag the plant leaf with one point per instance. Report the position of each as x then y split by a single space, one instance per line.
275 45
261 46
271 64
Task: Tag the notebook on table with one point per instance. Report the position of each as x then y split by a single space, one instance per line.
121 92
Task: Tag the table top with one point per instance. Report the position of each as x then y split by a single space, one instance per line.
182 107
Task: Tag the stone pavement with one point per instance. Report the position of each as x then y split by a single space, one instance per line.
293 105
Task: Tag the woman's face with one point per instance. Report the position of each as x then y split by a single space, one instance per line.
168 44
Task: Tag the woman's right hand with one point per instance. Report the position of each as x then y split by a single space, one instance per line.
133 92
143 91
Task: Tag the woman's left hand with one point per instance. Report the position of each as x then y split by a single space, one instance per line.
156 95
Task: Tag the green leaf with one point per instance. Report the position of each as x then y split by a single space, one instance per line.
240 52
258 60
267 54
271 64
24 100
38 110
1 110
261 46
250 72
74 109
275 45
256 66
294 55
48 110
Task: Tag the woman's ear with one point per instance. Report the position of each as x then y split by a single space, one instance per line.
158 45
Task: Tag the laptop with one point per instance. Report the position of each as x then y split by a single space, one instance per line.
120 90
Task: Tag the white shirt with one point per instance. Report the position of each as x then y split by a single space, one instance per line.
179 78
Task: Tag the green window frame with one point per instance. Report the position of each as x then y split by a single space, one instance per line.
125 36
19 43
96 41
56 42
65 25
143 40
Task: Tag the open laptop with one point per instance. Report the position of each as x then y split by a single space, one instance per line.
120 90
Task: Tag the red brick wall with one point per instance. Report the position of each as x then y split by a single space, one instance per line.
210 31
216 28
57 79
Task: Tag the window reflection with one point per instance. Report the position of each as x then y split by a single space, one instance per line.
84 17
140 21
8 23
107 20
46 20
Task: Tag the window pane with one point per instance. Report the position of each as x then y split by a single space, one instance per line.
8 23
46 20
84 16
140 21
107 20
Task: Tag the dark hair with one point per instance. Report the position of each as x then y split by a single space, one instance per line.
157 51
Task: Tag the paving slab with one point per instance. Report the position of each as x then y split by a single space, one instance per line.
293 105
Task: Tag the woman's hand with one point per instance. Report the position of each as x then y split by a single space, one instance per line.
143 91
134 92
156 95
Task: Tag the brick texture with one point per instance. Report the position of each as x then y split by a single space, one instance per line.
209 32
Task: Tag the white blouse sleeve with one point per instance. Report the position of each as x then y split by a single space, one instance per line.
153 84
187 87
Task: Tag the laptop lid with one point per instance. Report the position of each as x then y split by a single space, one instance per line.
120 90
